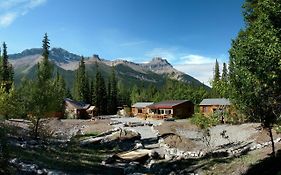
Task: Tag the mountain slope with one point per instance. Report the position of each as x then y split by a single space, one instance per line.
130 73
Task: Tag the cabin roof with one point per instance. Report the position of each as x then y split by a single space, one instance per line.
215 101
77 104
142 104
167 104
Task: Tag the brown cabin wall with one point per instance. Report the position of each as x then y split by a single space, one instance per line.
135 111
208 109
183 110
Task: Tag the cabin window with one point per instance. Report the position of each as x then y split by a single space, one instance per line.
168 111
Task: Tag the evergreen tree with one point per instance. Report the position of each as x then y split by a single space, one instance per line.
255 71
42 92
60 91
216 73
100 95
216 83
112 93
224 76
109 97
6 70
45 68
81 85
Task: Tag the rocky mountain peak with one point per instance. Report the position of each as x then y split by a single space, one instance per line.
159 62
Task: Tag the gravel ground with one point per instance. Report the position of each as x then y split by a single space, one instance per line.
233 133
145 131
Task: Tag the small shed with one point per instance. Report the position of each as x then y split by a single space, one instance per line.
75 109
173 108
141 108
210 105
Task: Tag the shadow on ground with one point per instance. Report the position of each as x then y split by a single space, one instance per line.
269 165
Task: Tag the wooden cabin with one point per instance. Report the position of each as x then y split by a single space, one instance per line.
172 108
211 105
140 108
78 110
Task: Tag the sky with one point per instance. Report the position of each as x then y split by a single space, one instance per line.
190 34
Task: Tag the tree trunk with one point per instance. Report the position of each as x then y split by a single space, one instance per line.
272 141
36 128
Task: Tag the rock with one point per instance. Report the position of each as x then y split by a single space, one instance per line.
169 157
154 155
137 155
277 140
138 146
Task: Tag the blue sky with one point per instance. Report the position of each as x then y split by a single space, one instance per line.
190 34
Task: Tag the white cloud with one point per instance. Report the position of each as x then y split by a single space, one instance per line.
198 66
196 59
7 19
11 9
202 72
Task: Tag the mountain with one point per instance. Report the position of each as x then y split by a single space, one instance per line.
153 72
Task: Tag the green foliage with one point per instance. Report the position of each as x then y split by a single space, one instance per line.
172 90
255 62
278 129
112 93
100 96
220 85
45 95
6 70
205 121
8 103
81 89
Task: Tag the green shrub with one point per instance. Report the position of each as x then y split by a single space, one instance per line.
205 121
278 129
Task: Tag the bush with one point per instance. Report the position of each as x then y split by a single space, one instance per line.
233 116
205 121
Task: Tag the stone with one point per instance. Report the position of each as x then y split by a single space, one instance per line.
154 155
138 146
277 140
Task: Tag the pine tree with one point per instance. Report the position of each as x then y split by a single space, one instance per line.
81 85
45 68
60 91
216 73
112 93
224 76
6 70
216 83
100 96
109 97
43 93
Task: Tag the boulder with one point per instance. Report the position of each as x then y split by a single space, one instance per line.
136 155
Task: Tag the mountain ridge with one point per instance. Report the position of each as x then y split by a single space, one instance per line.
154 71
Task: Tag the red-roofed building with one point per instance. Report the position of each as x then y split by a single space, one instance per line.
173 108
